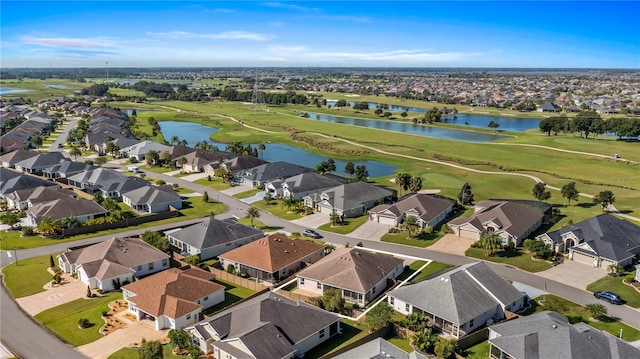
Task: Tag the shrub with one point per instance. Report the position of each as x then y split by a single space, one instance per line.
193 259
394 230
99 290
105 313
27 231
630 278
446 349
161 182
231 269
597 310
84 323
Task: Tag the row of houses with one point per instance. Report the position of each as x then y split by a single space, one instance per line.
31 123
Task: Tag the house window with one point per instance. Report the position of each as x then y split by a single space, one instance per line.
165 262
139 268
206 298
321 333
301 281
407 307
471 323
391 300
151 266
188 316
319 285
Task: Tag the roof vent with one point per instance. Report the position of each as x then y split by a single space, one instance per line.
286 251
554 326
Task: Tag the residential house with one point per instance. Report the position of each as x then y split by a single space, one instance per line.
550 335
173 298
378 349
120 142
234 164
108 183
10 159
152 199
196 160
212 237
358 274
36 164
548 106
66 169
599 241
349 200
460 301
512 220
25 198
11 181
266 326
260 175
140 149
429 210
117 260
301 185
63 207
272 258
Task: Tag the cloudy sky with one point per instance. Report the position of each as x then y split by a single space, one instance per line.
319 33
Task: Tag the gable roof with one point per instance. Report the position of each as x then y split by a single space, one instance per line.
460 294
609 236
17 156
352 195
43 160
352 268
172 292
11 181
308 181
213 232
271 171
97 176
512 217
65 206
550 335
426 206
69 168
240 163
151 195
272 252
377 349
39 194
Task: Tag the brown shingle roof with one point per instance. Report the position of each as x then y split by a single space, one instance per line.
272 252
172 292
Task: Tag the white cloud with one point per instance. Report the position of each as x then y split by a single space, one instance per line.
226 11
396 55
274 59
291 6
226 35
287 48
64 42
361 19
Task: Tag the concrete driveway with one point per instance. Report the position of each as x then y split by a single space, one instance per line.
71 289
255 198
574 274
450 243
235 190
109 344
370 230
312 220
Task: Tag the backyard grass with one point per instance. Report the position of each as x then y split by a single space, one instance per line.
126 353
348 226
478 351
28 276
614 284
578 313
63 319
351 331
402 344
421 240
247 194
233 293
517 258
430 269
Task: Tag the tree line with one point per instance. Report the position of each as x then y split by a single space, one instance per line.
590 122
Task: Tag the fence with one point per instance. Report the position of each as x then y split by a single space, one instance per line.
293 295
386 331
243 282
474 338
119 224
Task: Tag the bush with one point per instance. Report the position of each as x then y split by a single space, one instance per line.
630 278
231 269
597 310
27 231
99 290
105 313
193 259
446 349
84 323
394 230
161 182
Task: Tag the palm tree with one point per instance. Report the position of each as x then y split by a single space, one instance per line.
261 147
402 180
181 161
415 184
183 142
174 140
252 213
152 157
335 217
75 152
48 226
491 242
70 222
289 201
410 223
10 219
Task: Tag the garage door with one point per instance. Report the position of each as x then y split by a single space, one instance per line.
583 258
466 233
326 210
387 220
605 263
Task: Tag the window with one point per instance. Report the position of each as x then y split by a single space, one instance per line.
321 333
165 262
301 281
139 268
319 285
188 316
205 299
391 300
373 291
407 307
151 266
471 323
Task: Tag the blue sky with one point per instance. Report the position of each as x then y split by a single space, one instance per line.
320 33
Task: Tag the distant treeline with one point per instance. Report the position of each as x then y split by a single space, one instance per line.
590 122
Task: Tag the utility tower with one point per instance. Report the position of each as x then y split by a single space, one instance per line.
258 103
107 72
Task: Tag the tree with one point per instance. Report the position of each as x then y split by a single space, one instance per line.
402 180
334 217
110 204
491 242
157 240
332 301
165 157
52 263
445 349
494 125
361 173
48 226
465 196
174 140
410 223
570 192
424 340
179 339
404 114
261 148
75 152
415 184
350 168
597 310
151 350
252 212
540 193
152 157
331 165
205 197
604 198
379 316
181 161
289 201
267 198
10 219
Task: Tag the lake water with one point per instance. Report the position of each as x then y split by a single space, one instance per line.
9 90
56 86
506 123
410 127
193 132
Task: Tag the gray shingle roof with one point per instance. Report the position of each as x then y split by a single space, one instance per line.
65 206
271 171
151 195
427 206
549 335
11 181
309 181
212 232
460 294
352 195
44 160
375 349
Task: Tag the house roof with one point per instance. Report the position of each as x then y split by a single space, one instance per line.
240 163
151 195
272 252
97 176
270 171
294 320
143 147
43 160
65 206
128 252
40 194
213 232
426 206
550 335
377 349
352 195
609 236
308 181
68 168
172 292
352 268
460 294
255 343
124 185
17 156
512 217
11 181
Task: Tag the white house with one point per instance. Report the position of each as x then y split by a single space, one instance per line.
429 210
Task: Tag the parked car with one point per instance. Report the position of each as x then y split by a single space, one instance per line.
311 233
610 297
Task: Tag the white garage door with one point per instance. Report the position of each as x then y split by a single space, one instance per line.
387 220
605 263
583 258
466 233
326 210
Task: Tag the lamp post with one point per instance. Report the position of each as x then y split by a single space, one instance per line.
15 254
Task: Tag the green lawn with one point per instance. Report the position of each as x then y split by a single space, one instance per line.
517 258
276 208
351 331
421 240
578 313
247 194
478 351
348 226
126 353
63 319
614 284
413 267
28 277
215 183
233 293
401 343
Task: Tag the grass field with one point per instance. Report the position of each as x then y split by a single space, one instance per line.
33 268
247 194
478 351
347 226
421 240
614 284
517 258
233 293
63 319
215 183
126 353
430 269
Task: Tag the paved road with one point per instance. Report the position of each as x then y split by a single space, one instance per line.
62 138
238 208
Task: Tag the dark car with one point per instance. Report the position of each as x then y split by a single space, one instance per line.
610 297
311 233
